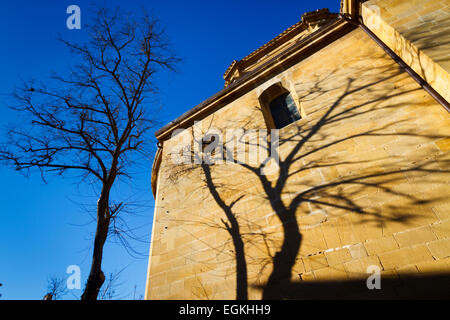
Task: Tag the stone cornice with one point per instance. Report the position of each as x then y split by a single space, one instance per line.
308 21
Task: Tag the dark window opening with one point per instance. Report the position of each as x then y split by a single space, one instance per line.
283 110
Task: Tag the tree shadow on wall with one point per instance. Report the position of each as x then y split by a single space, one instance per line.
429 39
431 36
360 154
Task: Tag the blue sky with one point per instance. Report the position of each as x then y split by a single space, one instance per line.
43 228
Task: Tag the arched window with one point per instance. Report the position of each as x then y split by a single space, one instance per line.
283 110
279 106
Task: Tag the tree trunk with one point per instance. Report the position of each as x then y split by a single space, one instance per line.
48 296
241 268
278 284
96 275
233 230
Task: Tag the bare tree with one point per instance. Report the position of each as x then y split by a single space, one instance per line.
56 288
136 296
109 290
95 119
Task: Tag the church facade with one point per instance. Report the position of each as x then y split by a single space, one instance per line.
321 170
